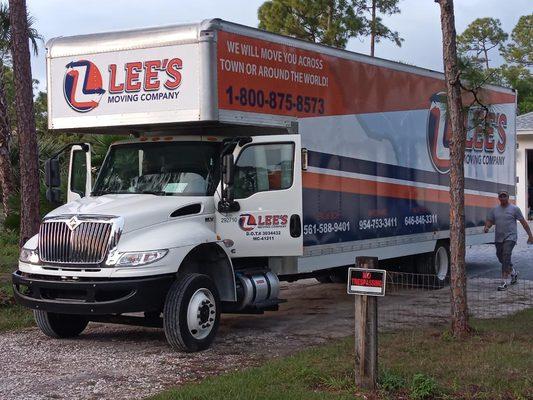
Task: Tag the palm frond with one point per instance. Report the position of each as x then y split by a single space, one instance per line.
5 33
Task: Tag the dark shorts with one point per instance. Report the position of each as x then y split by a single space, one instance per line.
503 252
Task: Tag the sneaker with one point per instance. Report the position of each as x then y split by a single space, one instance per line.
514 277
502 287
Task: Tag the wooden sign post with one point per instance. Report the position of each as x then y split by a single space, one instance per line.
366 283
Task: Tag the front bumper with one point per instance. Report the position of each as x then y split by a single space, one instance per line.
90 296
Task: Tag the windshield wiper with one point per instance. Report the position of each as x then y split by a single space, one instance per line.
103 193
156 192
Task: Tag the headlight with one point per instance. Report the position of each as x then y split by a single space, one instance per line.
30 256
140 258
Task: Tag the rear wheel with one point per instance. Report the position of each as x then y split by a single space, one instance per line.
436 264
339 275
323 278
192 313
60 325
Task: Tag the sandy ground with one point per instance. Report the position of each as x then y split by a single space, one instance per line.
119 362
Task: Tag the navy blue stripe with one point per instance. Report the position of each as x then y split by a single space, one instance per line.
348 164
346 214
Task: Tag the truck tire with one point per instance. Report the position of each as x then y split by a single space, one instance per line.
339 275
192 313
60 326
323 278
436 264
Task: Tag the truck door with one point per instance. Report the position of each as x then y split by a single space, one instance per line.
79 173
267 187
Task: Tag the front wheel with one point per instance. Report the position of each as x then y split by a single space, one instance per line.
192 313
60 325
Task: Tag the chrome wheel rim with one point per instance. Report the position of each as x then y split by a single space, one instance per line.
201 313
442 262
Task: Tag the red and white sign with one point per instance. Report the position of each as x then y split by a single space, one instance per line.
369 282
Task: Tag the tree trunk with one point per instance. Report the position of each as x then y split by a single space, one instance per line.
373 29
29 158
329 37
486 58
6 173
331 7
460 327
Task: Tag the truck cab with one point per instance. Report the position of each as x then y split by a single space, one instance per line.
169 224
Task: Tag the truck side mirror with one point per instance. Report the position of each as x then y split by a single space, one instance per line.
228 164
227 203
53 195
52 174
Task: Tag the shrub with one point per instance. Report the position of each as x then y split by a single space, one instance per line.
390 382
423 387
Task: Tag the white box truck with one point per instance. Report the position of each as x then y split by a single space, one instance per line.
252 157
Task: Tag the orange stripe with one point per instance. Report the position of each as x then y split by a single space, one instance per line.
362 186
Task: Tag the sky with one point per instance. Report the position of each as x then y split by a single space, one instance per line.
418 23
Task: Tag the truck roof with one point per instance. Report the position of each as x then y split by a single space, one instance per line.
102 42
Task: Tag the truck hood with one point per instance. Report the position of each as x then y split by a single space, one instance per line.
138 210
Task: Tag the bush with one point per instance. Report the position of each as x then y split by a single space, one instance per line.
12 221
8 238
390 382
423 387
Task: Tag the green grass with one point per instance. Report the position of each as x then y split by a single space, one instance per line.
9 251
496 362
312 374
12 316
15 317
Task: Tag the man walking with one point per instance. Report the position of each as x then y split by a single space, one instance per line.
504 217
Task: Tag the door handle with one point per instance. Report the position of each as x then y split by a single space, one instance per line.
295 226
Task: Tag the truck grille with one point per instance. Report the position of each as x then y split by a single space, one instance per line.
75 241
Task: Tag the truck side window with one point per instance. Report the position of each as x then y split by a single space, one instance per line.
79 172
264 167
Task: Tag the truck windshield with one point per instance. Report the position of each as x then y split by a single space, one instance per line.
161 168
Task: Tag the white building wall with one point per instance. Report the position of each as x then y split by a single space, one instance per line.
525 142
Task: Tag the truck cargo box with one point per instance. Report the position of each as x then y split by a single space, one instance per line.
375 131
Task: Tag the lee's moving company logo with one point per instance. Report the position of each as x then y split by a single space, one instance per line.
151 80
83 87
262 227
485 140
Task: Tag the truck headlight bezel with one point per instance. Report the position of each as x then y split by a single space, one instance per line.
140 258
29 256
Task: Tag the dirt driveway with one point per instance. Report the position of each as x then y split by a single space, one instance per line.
122 362
117 362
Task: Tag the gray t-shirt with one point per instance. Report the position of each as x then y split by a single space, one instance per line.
505 220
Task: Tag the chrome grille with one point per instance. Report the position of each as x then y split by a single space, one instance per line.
87 243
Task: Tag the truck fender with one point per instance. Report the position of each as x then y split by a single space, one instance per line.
211 259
